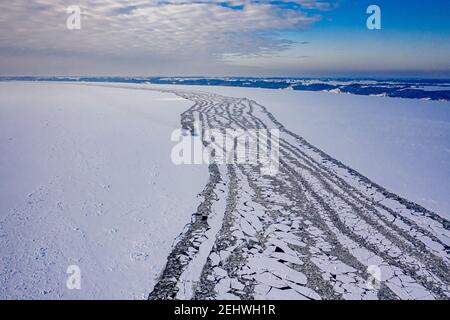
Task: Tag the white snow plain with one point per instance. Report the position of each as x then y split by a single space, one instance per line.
401 144
86 179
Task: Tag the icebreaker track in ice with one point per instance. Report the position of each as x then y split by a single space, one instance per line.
316 230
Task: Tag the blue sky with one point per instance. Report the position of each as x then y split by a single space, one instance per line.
414 41
226 37
397 15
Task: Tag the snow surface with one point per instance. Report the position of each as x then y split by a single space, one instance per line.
86 179
401 144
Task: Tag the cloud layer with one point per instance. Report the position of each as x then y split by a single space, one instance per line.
156 35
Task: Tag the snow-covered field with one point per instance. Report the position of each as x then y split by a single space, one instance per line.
86 179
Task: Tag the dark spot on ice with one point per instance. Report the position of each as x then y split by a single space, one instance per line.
285 288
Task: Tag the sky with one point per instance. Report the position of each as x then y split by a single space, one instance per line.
295 38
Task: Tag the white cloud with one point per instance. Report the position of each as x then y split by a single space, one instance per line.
172 30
